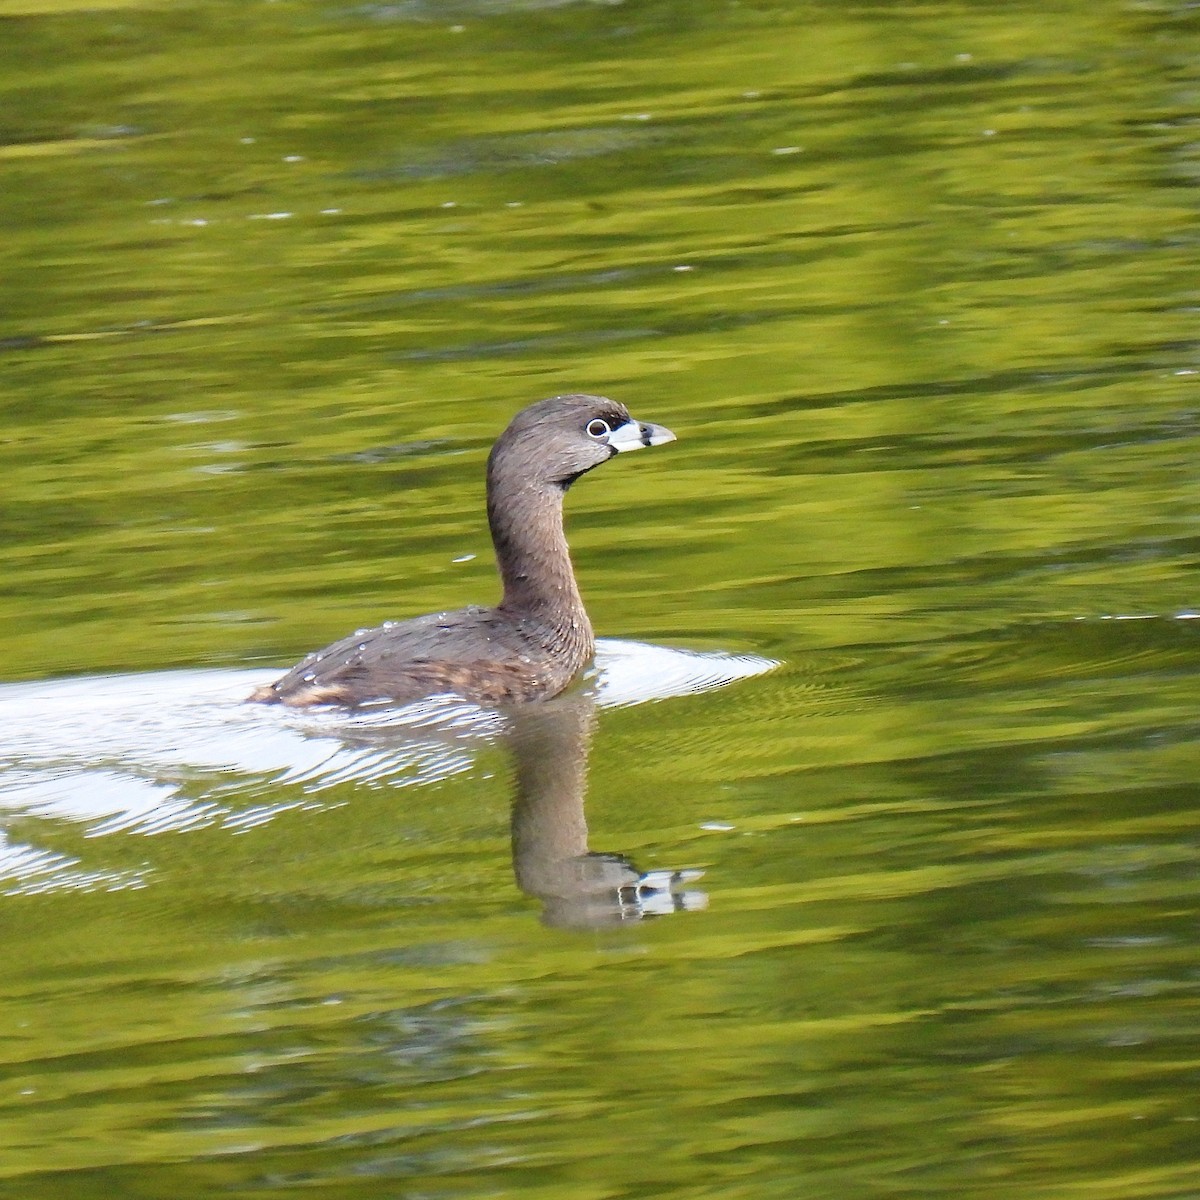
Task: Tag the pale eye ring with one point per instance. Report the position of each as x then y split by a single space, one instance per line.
597 428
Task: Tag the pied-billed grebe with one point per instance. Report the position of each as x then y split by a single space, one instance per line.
538 638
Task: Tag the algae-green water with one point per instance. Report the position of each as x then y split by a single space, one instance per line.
911 914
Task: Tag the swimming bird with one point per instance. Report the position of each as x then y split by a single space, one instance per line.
533 643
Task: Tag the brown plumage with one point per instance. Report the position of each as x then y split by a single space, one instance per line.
537 639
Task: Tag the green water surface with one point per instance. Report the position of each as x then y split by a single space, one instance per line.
916 287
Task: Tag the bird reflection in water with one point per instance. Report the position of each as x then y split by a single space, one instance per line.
549 744
579 888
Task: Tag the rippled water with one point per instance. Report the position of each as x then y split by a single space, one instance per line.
914 912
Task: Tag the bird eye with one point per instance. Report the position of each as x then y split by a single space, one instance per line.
597 428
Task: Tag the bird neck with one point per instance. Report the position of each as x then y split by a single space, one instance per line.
526 521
